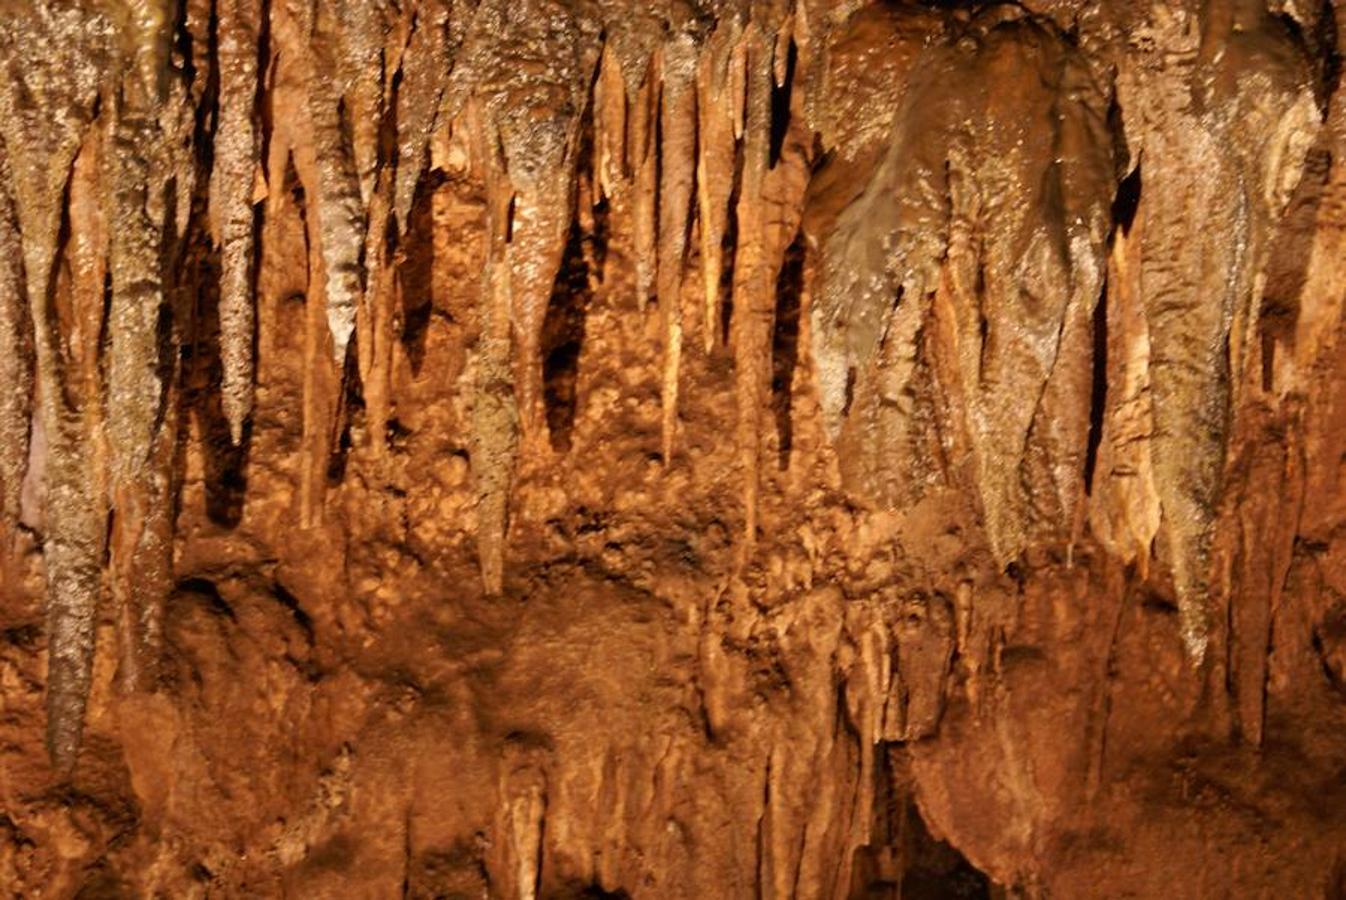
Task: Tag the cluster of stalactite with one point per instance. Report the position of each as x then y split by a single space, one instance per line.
1044 289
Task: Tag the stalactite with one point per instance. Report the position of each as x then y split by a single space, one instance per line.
752 280
426 65
1316 339
1199 285
71 554
236 161
517 863
80 300
338 208
540 223
133 168
768 218
375 325
864 113
642 147
1124 508
719 110
995 346
857 292
677 167
288 172
627 102
812 28
359 31
494 438
372 76
532 66
196 18
16 367
54 60
1258 553
609 126
315 139
1050 495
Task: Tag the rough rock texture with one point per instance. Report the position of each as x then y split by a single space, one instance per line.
716 448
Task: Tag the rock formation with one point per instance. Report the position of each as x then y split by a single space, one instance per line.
722 448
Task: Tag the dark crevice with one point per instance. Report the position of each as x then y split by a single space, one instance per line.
1125 207
207 594
200 372
295 187
1328 637
563 328
596 892
56 308
729 249
350 416
934 870
983 323
104 330
1268 360
291 604
1316 40
1333 677
904 859
541 852
417 271
263 109
874 873
25 636
1127 201
389 154
1324 45
563 340
1159 601
109 528
1098 395
397 435
851 374
780 106
182 43
785 345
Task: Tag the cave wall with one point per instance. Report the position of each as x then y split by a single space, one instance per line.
720 448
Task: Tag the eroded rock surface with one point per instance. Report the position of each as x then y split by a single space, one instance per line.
729 448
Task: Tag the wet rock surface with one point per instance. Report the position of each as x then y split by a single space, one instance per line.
699 449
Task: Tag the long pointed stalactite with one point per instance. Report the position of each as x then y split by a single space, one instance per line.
57 61
16 373
147 182
233 180
723 448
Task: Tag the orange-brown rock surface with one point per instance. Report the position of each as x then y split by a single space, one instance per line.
715 448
